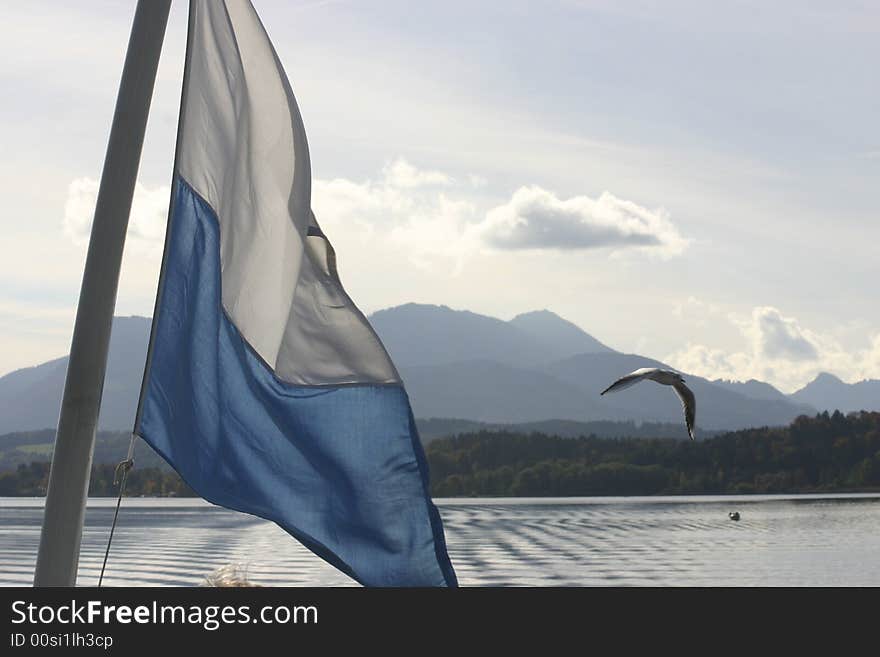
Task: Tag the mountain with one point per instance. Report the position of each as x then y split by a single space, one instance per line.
752 388
489 391
828 393
420 334
31 398
21 448
535 368
718 407
559 336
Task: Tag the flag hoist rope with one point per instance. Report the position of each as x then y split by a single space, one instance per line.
123 466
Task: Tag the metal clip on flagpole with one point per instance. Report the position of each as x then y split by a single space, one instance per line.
58 556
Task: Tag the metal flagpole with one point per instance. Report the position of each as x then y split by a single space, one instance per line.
58 556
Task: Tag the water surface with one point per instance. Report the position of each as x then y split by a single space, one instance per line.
802 540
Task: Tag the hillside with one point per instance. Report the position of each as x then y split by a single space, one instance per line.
30 399
458 364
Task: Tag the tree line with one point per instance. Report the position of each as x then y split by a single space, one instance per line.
825 453
32 479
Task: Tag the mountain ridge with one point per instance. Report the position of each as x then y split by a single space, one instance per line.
828 393
536 367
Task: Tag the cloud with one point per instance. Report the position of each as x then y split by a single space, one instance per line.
436 220
477 181
407 206
424 219
696 312
402 174
535 218
774 336
146 225
429 214
779 350
871 360
712 363
79 209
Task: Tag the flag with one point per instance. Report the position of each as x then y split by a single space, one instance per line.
265 387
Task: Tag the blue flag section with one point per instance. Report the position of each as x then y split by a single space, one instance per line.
266 388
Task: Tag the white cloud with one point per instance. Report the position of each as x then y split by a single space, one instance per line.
712 363
696 312
442 228
776 337
146 225
402 174
780 351
477 181
535 218
872 358
435 220
405 208
79 209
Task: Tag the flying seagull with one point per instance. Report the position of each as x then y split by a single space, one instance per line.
668 378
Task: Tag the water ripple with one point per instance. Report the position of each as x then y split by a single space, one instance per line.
804 541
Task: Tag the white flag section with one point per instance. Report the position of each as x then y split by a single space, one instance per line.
266 388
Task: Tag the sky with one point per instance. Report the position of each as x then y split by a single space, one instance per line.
692 181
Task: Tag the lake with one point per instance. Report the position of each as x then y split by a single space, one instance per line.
803 540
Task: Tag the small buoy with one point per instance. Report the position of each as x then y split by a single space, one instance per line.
734 515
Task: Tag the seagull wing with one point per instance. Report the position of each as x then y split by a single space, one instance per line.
689 402
629 380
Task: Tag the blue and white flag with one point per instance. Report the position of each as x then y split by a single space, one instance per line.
266 388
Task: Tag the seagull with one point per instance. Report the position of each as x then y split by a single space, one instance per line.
668 378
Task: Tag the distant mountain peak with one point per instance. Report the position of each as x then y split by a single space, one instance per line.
550 328
826 377
740 382
823 381
829 392
543 313
426 310
751 388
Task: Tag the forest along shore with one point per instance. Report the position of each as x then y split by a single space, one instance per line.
827 453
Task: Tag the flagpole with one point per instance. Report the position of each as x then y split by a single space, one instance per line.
58 555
